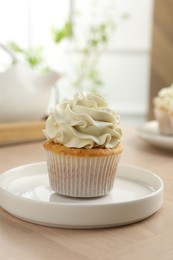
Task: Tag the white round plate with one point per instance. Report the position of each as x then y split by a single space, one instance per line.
25 193
150 133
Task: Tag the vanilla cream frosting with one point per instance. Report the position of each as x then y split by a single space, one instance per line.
84 122
164 100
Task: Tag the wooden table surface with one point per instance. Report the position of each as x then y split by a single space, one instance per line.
151 238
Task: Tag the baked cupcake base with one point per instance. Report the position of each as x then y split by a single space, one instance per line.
81 172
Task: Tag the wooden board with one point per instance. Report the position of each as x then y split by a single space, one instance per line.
162 50
19 132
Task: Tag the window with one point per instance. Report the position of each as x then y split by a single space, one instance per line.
124 66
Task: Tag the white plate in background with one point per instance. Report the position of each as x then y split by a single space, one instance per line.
150 133
26 194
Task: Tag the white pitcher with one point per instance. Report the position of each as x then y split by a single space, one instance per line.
24 94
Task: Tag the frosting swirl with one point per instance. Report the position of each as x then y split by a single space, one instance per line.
164 100
84 122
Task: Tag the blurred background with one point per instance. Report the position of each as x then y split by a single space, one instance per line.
97 45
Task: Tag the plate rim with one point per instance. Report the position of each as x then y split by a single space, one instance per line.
43 163
56 218
156 139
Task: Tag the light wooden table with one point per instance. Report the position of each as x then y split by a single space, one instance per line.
149 239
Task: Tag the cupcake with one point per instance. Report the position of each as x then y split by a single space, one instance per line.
83 146
171 113
162 110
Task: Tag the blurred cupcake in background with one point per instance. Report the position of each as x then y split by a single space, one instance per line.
171 113
163 103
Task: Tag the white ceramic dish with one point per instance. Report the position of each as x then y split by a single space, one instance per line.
25 193
150 133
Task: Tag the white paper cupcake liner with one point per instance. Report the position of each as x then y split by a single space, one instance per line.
81 176
164 121
171 116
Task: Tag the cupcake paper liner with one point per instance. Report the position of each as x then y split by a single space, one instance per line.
81 176
164 121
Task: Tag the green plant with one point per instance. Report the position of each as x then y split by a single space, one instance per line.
59 34
97 38
33 56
